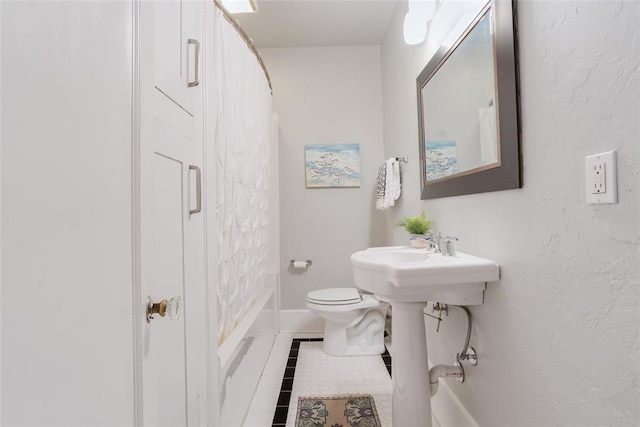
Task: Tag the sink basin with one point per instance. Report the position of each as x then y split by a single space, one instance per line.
408 278
405 274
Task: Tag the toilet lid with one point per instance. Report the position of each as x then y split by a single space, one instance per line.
335 296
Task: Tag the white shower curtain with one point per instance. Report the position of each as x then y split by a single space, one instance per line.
242 108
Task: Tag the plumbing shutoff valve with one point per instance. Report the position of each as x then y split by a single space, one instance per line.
470 355
440 308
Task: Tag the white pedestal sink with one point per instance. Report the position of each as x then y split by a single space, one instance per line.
408 278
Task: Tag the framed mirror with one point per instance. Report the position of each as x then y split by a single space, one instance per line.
468 110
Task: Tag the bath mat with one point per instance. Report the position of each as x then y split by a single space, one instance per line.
337 411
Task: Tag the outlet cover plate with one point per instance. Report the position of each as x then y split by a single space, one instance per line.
601 178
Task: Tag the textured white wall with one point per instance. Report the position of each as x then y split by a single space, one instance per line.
67 310
557 338
325 96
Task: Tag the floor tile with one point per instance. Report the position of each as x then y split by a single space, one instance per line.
318 374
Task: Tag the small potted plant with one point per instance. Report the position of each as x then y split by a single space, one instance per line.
417 227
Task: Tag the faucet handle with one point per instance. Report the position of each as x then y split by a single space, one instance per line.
447 246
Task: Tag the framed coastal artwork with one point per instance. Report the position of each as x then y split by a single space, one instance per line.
441 159
332 165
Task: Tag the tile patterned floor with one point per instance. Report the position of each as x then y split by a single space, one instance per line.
318 374
299 367
286 390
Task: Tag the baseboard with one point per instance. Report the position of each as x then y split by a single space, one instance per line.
302 323
448 409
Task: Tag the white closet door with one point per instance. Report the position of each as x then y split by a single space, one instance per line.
177 70
172 267
174 366
165 343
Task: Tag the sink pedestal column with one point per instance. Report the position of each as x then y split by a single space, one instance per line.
411 391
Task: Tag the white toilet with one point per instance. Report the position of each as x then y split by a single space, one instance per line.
354 321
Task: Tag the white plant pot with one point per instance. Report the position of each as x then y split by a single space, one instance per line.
418 241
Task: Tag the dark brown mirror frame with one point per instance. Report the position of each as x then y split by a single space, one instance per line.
508 175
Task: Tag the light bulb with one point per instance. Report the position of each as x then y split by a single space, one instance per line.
415 29
416 20
240 6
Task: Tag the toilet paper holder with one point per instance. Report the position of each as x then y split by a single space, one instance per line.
297 264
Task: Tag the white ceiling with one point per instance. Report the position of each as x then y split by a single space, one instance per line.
314 23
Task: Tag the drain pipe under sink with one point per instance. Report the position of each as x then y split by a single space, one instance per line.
453 371
443 371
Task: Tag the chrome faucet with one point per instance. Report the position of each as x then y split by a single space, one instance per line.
443 245
432 245
433 242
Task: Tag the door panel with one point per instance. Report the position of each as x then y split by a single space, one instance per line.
173 353
172 254
168 44
175 23
165 344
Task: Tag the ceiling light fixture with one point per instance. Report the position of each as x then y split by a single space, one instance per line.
416 20
240 6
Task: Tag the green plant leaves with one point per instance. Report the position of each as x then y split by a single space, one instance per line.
415 224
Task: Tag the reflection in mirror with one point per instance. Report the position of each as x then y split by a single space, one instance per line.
458 107
467 103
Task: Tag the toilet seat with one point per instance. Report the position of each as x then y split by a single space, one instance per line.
340 299
334 296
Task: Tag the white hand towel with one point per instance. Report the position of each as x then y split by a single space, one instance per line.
389 184
396 182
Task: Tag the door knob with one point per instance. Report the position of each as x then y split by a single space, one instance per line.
172 306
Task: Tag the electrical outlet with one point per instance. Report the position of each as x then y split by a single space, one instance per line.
598 177
601 178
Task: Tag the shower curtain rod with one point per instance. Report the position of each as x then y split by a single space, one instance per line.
248 40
